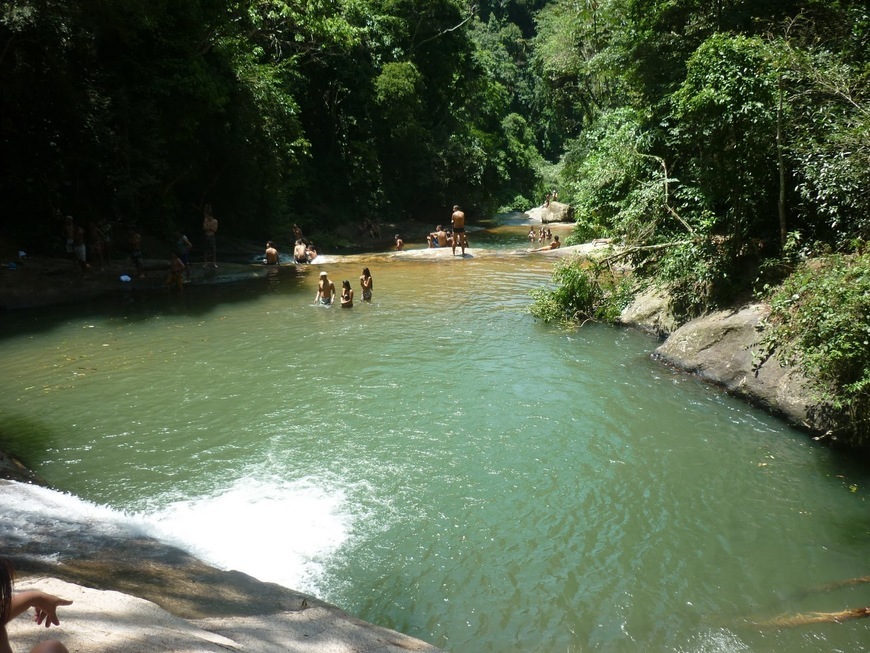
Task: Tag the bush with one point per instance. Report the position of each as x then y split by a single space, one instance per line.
820 321
583 293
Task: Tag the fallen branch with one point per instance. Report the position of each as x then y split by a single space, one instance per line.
642 248
830 587
790 621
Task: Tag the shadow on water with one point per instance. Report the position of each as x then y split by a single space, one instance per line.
196 300
24 438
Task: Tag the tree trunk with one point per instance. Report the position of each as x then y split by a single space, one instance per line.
780 159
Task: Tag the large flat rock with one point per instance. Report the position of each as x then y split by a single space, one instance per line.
101 621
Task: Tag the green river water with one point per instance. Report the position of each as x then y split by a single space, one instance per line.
439 463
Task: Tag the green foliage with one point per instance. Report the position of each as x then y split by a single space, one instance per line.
725 110
606 178
697 276
143 111
584 292
518 203
820 321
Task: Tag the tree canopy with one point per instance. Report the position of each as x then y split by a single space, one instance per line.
737 120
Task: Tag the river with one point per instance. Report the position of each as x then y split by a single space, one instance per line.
439 463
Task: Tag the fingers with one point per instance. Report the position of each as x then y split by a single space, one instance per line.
50 619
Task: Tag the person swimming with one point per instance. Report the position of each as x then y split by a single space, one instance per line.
300 254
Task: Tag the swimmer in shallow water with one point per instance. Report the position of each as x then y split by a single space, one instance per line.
271 254
346 294
554 245
325 291
300 252
366 283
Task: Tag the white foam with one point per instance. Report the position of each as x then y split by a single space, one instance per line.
276 531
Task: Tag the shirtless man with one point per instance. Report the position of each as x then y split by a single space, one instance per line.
400 244
271 254
458 221
325 291
209 228
554 245
300 252
438 238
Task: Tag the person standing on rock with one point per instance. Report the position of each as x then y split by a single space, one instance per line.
209 228
458 222
80 248
136 254
182 248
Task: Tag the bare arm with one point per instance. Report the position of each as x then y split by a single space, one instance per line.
46 606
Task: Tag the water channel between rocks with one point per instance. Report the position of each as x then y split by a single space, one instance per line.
439 463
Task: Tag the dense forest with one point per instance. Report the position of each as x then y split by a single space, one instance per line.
726 143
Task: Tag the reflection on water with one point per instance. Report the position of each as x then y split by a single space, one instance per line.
438 462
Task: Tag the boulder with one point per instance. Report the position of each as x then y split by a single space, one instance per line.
555 212
650 311
719 348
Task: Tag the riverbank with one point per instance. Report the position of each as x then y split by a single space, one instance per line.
41 281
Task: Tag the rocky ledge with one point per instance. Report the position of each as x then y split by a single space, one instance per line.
134 593
720 347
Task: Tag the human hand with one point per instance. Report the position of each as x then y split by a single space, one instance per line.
46 606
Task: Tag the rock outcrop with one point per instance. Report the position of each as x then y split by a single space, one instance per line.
719 348
650 311
150 596
107 621
554 212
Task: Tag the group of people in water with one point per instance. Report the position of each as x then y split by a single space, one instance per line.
326 290
455 237
540 236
